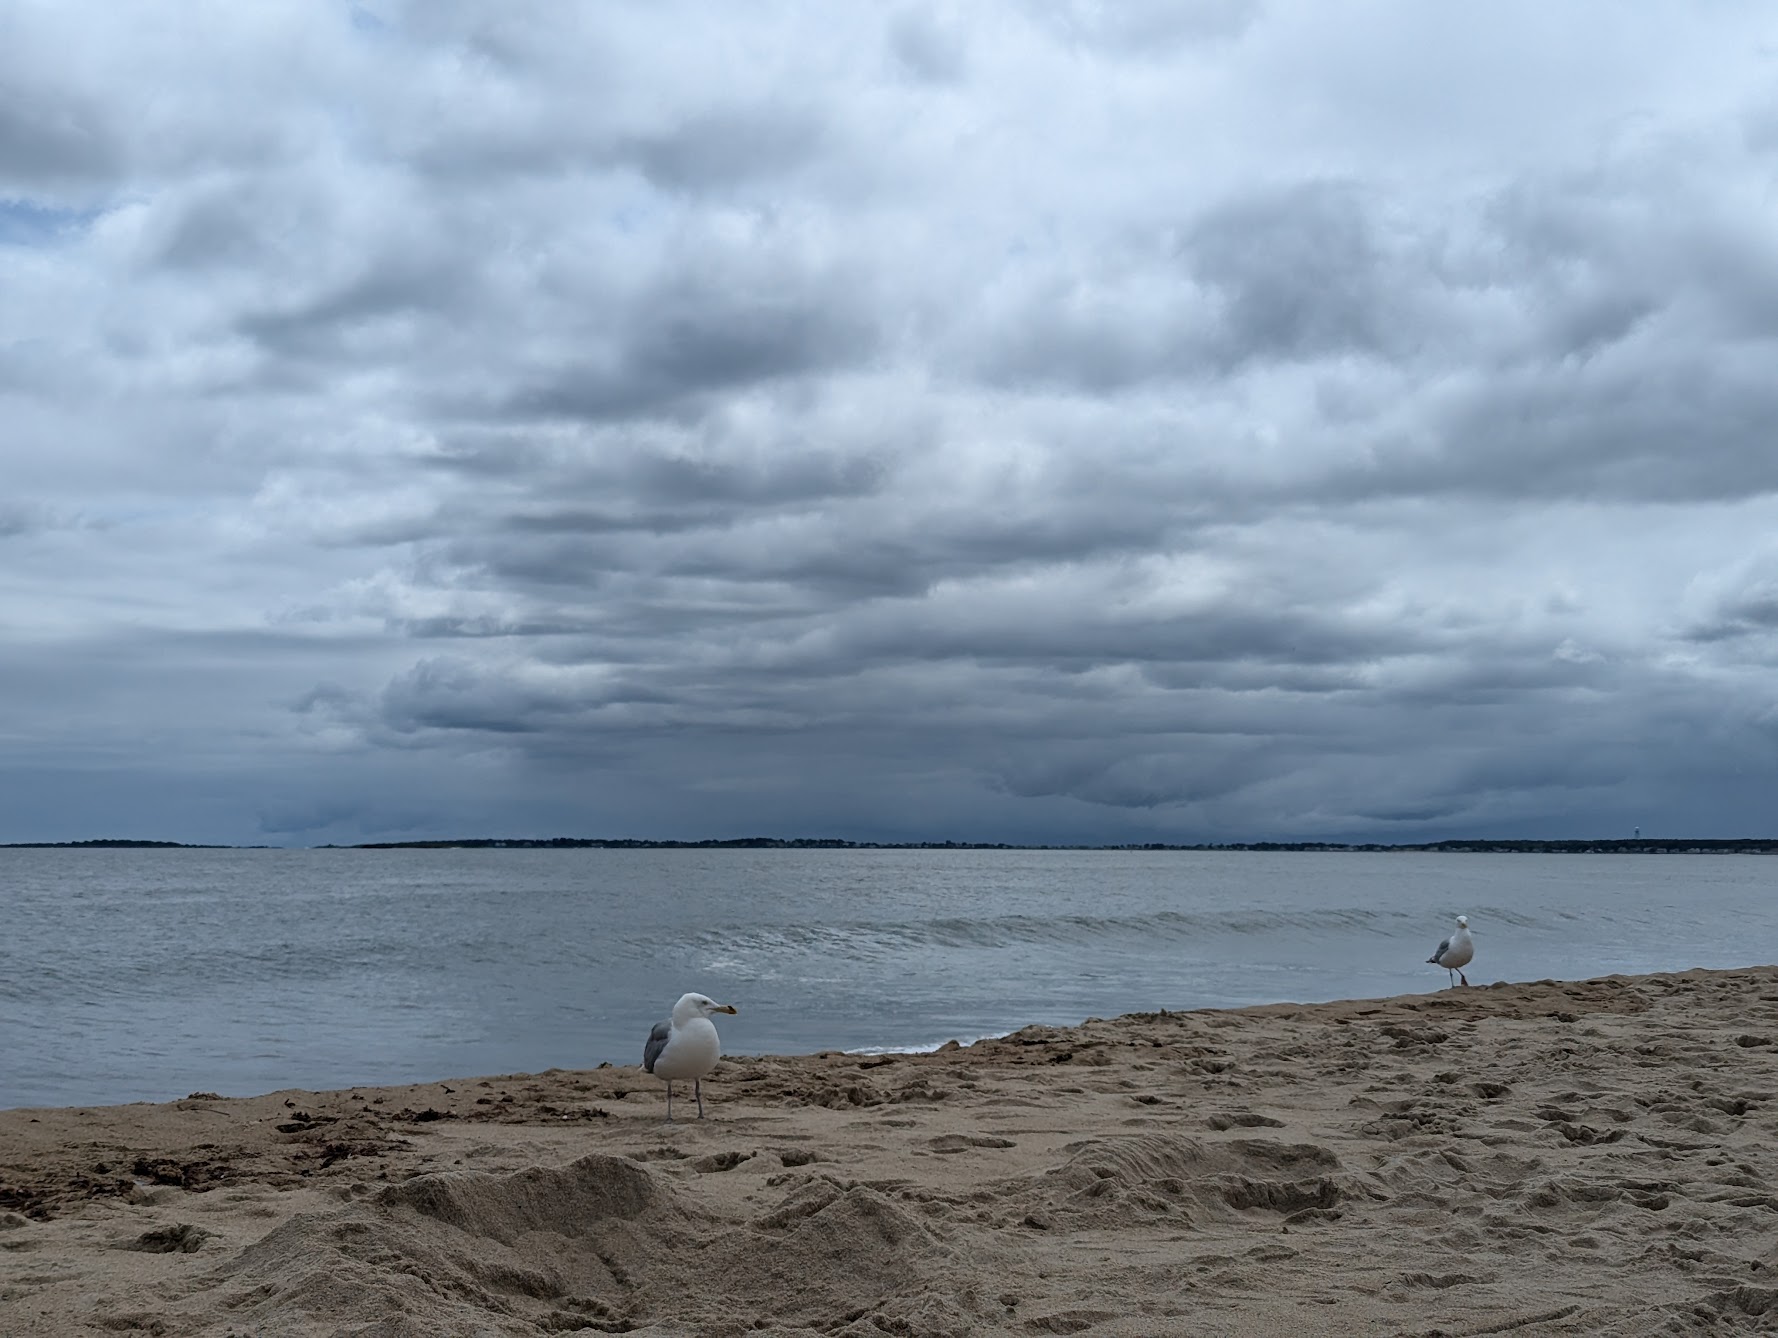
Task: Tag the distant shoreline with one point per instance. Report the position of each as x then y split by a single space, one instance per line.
1630 846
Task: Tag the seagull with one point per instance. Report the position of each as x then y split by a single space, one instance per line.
1454 953
686 1045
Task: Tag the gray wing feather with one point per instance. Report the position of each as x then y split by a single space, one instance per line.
1444 946
657 1041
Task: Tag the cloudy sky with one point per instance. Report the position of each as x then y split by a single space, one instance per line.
1030 420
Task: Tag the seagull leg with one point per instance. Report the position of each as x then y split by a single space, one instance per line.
669 1099
697 1085
1463 978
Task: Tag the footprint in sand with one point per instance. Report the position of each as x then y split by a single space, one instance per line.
949 1143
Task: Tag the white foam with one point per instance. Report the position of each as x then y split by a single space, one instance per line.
923 1049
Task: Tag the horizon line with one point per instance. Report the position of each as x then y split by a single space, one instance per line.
1652 844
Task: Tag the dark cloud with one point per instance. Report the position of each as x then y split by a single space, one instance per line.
1292 274
727 146
320 326
18 518
927 48
685 340
215 228
1192 769
1297 274
54 144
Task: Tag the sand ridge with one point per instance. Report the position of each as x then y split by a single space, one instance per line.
1590 1157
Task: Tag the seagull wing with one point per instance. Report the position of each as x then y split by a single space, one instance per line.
657 1041
1444 946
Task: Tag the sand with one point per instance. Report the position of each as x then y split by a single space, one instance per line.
1579 1158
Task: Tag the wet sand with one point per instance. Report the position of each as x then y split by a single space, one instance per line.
1574 1158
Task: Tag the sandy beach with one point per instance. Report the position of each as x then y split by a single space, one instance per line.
1590 1157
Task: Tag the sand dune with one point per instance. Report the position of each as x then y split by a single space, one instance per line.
1587 1158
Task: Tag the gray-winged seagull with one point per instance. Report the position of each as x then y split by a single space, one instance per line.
686 1045
1455 952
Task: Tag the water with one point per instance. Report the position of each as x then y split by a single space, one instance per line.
147 974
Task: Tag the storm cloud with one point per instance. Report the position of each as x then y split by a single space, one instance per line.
1035 421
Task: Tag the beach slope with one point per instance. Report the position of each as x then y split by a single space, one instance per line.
1575 1158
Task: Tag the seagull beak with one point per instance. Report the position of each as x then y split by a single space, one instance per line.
725 1008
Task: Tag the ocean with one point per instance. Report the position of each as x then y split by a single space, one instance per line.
144 974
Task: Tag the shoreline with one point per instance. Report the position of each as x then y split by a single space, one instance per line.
1461 1161
964 1040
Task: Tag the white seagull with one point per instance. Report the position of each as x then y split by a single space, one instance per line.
1454 953
686 1045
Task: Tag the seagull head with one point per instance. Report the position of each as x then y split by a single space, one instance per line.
1463 922
699 1005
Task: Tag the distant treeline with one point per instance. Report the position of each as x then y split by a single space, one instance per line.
1633 846
1636 846
114 845
1641 845
726 843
